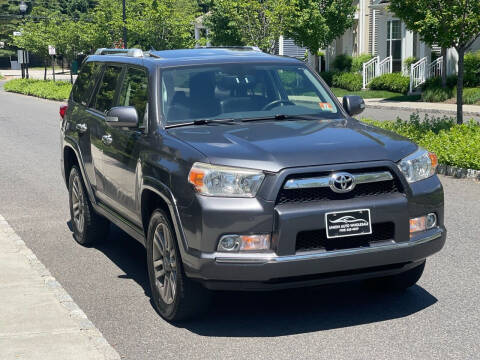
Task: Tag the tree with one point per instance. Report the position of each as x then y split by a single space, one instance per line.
316 23
453 23
249 22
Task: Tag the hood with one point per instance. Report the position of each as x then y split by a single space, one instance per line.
275 145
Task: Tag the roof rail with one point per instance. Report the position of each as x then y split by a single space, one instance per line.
128 52
254 48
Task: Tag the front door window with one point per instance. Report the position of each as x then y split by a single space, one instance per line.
394 43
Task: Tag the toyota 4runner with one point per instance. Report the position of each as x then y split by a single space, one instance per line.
241 170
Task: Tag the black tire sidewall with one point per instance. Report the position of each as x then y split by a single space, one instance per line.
78 235
167 311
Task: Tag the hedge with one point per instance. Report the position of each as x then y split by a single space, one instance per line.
472 69
455 145
348 81
328 77
59 90
471 96
394 82
357 62
343 63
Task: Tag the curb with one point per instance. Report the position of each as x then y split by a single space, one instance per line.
76 314
458 172
408 108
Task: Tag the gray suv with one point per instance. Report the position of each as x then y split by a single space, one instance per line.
239 170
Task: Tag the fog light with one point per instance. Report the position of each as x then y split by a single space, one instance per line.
235 243
431 220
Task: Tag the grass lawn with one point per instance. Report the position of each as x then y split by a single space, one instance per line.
376 94
59 90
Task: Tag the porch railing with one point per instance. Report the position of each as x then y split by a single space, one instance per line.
385 66
418 74
436 68
370 70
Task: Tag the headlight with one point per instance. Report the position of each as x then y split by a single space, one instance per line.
213 180
419 165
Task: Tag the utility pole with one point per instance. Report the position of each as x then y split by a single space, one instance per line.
124 26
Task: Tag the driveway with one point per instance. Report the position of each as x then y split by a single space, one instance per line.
438 319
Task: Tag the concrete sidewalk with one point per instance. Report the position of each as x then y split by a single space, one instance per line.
441 108
38 74
38 319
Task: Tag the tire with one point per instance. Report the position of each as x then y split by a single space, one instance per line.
174 296
398 282
88 226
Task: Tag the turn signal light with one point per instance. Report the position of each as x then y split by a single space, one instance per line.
422 223
235 243
63 111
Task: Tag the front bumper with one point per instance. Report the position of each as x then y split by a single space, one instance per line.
271 271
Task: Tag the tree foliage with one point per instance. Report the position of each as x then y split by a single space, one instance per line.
249 22
453 23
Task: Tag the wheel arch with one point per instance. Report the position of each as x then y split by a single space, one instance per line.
72 157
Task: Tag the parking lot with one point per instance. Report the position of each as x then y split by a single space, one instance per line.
437 319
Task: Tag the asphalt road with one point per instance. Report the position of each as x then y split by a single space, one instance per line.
438 319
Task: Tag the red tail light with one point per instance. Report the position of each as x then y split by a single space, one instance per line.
63 110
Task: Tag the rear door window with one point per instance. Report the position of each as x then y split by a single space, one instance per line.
105 98
134 92
82 89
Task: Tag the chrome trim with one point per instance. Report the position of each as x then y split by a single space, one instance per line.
324 181
262 258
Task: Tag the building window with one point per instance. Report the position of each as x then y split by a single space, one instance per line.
394 43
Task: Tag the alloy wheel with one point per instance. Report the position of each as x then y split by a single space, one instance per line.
164 263
78 204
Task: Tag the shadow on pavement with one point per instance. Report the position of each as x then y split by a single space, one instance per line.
278 313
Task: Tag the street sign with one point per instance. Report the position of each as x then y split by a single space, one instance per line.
23 57
51 50
17 33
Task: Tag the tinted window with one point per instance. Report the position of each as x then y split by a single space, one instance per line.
106 91
85 81
134 92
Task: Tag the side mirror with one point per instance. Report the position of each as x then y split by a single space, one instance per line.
353 105
122 116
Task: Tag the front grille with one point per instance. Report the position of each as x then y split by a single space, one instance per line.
317 239
286 196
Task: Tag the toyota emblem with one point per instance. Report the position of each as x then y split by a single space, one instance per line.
342 182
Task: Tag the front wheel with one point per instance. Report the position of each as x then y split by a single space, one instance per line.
175 296
399 281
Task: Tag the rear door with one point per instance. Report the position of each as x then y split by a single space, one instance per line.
82 121
103 100
121 156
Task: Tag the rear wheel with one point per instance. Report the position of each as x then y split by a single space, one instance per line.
175 296
88 226
399 281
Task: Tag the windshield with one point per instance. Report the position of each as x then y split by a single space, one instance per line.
245 91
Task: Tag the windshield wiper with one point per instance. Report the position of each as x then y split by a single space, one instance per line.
285 117
202 122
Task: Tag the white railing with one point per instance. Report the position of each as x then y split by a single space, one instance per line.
370 70
436 68
418 74
385 66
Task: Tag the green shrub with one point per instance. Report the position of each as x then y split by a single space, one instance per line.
5 53
343 63
471 96
348 81
437 82
472 69
2 77
395 82
357 62
437 94
328 77
59 90
408 62
455 145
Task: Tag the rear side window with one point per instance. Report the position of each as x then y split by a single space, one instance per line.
85 81
134 92
104 100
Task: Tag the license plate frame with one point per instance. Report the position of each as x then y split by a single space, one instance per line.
347 223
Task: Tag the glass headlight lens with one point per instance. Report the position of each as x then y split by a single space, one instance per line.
419 165
213 180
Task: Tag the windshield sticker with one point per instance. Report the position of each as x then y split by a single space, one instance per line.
325 106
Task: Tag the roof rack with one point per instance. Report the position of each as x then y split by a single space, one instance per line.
254 48
126 52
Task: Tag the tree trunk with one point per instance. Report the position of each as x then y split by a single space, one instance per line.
45 72
461 56
444 68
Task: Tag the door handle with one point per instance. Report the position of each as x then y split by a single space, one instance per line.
107 139
81 128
